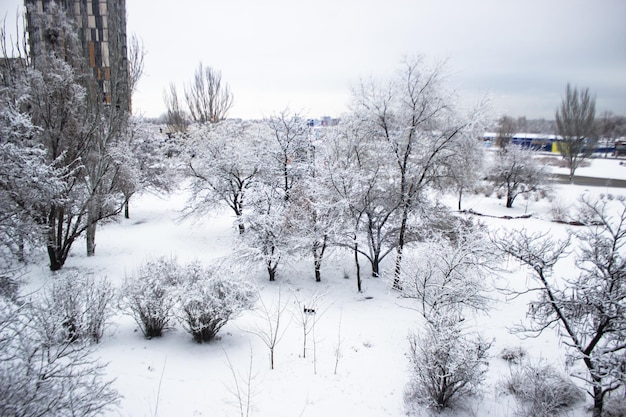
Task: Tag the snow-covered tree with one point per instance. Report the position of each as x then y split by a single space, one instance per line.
448 275
223 161
417 117
587 309
29 181
363 195
289 149
77 131
267 236
516 171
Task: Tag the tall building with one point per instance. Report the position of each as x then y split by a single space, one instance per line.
101 26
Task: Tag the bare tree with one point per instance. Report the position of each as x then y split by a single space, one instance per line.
175 116
208 98
136 55
575 121
270 330
589 309
507 128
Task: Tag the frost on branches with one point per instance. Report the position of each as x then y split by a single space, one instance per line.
447 364
209 297
588 309
42 371
149 295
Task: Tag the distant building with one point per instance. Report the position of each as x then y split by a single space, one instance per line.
101 26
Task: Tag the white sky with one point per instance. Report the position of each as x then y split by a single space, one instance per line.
306 55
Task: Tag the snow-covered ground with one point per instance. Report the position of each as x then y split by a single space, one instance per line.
356 365
598 168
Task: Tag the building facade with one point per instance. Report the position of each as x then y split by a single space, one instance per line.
101 29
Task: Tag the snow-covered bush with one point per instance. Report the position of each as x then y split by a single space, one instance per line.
149 295
542 391
447 364
209 297
513 355
82 304
44 375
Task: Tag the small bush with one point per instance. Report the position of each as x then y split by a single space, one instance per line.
513 355
82 304
149 295
542 391
447 364
209 298
8 287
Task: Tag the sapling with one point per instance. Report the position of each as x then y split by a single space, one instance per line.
268 327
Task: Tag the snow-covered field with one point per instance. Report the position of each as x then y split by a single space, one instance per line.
356 363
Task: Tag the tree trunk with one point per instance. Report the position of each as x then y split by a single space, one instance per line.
358 266
55 262
375 266
509 201
126 209
318 256
271 270
55 232
401 240
460 197
598 401
91 239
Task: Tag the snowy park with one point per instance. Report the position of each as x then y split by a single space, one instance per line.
356 358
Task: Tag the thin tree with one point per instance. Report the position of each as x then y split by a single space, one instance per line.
271 328
575 121
175 116
507 128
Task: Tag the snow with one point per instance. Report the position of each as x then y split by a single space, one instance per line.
598 168
173 376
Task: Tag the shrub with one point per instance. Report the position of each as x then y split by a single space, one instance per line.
82 304
209 298
43 374
542 391
513 355
446 365
149 295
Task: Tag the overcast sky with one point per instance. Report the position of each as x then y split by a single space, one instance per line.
306 54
